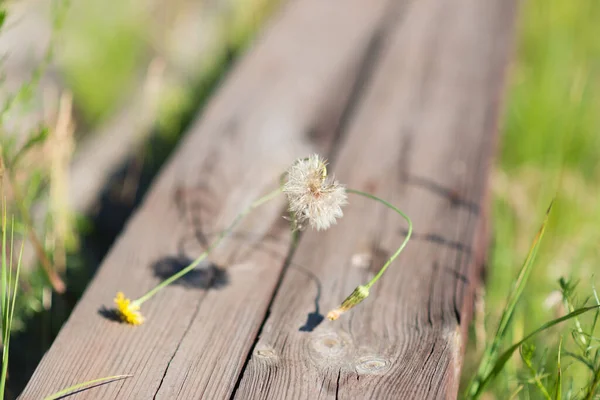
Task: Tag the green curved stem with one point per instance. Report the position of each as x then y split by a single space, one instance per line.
362 291
408 235
217 241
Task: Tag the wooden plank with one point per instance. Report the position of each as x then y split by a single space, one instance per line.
285 99
422 139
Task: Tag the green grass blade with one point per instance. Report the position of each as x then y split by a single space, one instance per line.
516 392
9 285
83 385
558 395
582 360
593 329
14 298
38 138
9 296
4 282
487 361
504 357
5 297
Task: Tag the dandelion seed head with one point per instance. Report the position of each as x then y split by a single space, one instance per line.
129 312
312 195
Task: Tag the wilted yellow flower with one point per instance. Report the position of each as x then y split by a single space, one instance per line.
357 296
128 312
312 195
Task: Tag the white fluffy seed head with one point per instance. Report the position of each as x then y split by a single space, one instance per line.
312 195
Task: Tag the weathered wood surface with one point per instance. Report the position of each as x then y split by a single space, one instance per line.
404 98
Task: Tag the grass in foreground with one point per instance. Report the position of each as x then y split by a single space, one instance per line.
9 285
550 144
493 361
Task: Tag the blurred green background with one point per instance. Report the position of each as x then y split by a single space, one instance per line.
550 146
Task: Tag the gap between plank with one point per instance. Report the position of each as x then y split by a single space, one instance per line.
371 58
187 329
337 385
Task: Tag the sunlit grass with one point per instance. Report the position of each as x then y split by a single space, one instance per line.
10 269
497 353
551 146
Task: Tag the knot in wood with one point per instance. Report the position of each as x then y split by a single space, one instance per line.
370 365
329 345
266 354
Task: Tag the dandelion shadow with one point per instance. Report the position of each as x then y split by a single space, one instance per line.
314 318
452 195
206 276
210 276
110 314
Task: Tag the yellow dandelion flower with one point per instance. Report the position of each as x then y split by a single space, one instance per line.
128 312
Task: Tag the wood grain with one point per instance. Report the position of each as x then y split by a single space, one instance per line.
423 139
285 99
